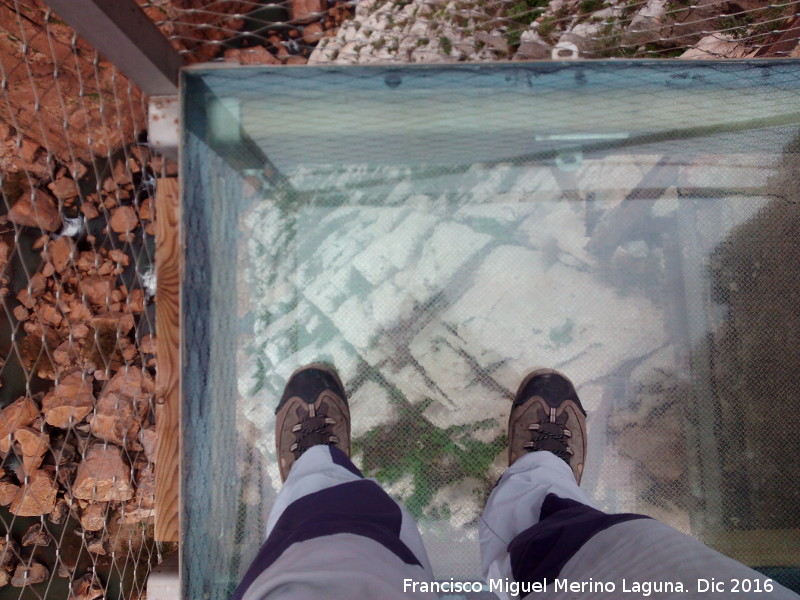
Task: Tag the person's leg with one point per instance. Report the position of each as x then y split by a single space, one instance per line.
331 533
538 527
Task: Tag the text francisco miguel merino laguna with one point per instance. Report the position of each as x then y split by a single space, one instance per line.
644 588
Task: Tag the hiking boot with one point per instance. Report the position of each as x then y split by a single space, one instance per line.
313 410
547 415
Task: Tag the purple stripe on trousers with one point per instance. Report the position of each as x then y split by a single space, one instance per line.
357 507
340 458
564 526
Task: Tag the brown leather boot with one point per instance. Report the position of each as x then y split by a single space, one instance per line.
313 410
547 415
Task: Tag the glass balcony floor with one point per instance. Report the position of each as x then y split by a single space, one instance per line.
437 232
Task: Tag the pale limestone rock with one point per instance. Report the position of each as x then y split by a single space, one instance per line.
718 45
534 318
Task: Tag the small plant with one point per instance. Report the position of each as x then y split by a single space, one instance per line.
446 44
590 6
521 14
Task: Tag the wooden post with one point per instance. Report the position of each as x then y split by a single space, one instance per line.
168 396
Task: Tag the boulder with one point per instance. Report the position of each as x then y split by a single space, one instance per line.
122 406
103 475
35 209
36 498
70 402
21 413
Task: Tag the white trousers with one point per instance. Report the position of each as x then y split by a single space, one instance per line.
335 556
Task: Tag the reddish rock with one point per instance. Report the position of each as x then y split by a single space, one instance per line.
135 303
8 491
36 286
60 512
9 553
313 33
103 476
93 517
70 402
21 413
64 187
248 56
147 438
97 289
87 587
122 406
119 257
306 11
32 442
37 498
124 219
36 535
60 252
29 574
29 150
35 209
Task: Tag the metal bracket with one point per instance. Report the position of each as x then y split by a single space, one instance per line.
163 125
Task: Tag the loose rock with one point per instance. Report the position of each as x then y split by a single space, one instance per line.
37 498
9 553
35 209
103 475
122 406
124 219
70 402
31 574
21 413
87 587
36 535
93 518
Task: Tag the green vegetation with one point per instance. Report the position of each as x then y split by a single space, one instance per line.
447 45
431 456
590 6
520 15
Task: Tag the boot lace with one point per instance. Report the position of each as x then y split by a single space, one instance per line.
550 433
312 430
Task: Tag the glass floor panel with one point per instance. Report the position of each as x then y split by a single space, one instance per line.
437 231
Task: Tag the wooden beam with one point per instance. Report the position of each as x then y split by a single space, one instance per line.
168 396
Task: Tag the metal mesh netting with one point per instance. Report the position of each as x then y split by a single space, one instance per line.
631 224
77 327
369 31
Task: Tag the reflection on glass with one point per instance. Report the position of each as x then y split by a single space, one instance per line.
437 231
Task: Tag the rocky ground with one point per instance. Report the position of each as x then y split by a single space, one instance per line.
78 291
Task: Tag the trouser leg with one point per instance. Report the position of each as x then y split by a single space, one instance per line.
539 527
333 534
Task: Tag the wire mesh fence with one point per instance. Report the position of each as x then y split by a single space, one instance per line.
353 32
77 325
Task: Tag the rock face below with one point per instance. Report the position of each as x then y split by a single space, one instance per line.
467 30
103 476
